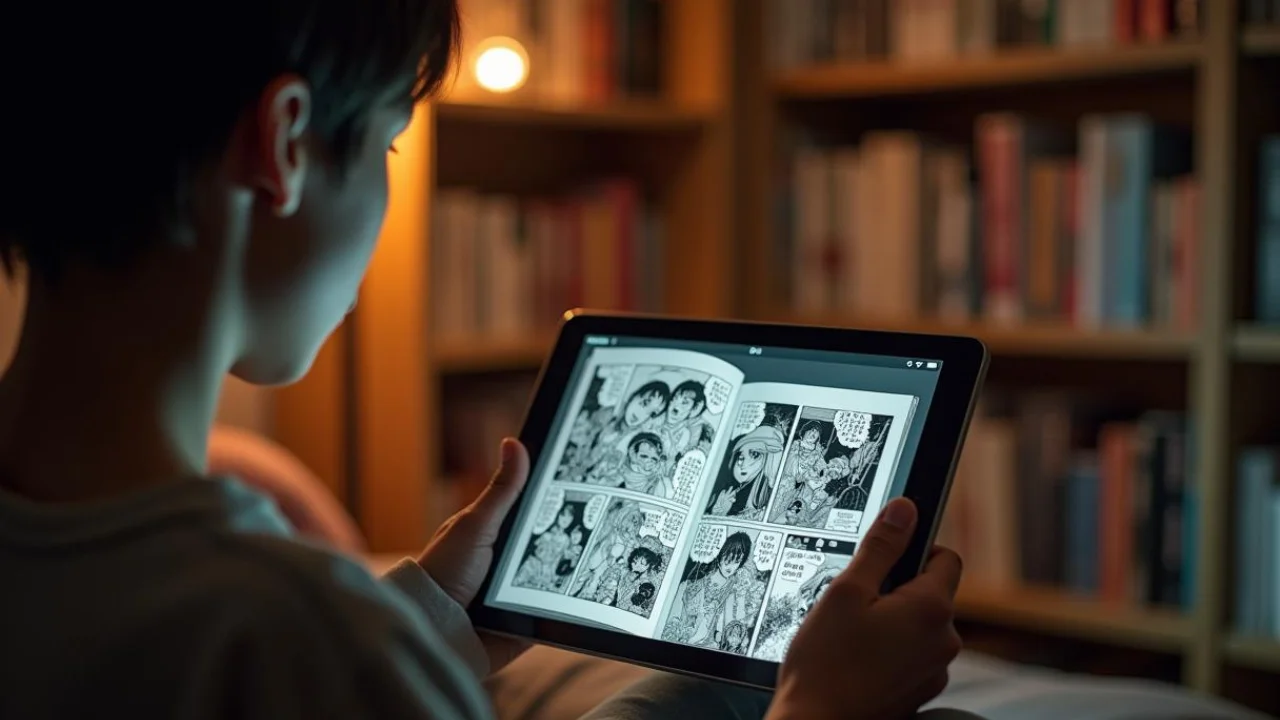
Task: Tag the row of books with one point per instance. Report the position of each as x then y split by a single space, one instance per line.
1049 493
579 50
504 266
807 32
1257 551
1021 228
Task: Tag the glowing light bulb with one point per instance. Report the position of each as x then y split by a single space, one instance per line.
501 65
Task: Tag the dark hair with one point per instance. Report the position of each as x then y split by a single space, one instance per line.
651 557
99 158
736 547
694 388
653 387
575 510
646 437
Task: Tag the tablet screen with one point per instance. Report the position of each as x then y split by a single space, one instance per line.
706 494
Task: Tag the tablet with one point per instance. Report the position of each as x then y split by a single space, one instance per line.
696 484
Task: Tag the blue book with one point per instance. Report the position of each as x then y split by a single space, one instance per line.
1267 298
1255 476
1140 152
1083 540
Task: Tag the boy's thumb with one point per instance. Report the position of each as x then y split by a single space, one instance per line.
500 494
883 545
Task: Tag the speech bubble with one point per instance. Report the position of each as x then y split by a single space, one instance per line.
766 550
546 516
707 542
687 473
800 565
852 428
595 510
615 382
672 522
717 392
652 525
750 415
845 521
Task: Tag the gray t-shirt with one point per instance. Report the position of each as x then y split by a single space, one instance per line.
193 601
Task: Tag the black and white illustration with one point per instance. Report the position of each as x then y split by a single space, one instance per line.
722 587
629 556
558 538
752 461
660 510
645 428
830 465
807 567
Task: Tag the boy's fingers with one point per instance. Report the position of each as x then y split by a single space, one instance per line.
944 570
883 545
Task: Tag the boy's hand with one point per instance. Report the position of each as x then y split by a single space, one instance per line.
862 655
459 555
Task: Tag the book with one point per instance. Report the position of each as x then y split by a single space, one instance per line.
679 502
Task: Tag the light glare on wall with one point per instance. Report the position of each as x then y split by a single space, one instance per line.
501 64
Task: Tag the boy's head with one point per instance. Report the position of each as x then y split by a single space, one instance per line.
226 160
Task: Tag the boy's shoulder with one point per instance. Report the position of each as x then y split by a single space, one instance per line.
279 577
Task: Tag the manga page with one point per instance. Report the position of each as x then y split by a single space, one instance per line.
722 587
626 467
799 462
808 565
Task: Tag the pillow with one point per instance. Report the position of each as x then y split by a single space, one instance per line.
304 500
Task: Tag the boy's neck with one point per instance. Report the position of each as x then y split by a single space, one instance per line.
107 394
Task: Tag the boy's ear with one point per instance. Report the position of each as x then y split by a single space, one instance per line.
284 115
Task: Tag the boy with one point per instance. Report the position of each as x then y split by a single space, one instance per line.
197 192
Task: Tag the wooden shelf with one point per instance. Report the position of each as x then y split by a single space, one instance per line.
1255 653
1257 343
491 355
1261 41
624 115
1044 340
1056 613
1005 69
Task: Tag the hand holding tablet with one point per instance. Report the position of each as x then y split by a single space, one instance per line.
905 640
697 487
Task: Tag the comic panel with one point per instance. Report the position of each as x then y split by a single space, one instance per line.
629 555
645 428
829 469
808 566
749 470
560 532
722 587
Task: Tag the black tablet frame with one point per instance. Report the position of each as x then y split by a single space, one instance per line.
964 364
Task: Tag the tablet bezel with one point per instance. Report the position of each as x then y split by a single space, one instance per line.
964 364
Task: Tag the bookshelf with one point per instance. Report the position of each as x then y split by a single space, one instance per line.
1057 614
1207 82
1008 68
371 417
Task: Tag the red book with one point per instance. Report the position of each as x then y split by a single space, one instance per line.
1126 20
1116 447
1155 20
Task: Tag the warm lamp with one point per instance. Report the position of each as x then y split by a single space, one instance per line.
501 64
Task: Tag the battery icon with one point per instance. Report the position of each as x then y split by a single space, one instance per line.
932 366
